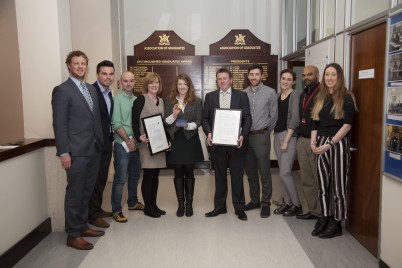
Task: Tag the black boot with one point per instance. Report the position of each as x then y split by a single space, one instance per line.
333 228
320 226
179 187
189 196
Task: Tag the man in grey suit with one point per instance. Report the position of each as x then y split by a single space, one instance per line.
79 139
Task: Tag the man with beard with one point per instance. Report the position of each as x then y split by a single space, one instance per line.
264 112
305 156
79 141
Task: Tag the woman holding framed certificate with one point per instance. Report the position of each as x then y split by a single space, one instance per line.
149 106
183 113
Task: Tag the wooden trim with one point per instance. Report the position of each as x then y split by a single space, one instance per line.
25 146
19 250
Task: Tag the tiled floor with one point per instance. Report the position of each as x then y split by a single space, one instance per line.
197 241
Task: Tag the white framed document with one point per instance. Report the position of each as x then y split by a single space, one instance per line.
226 128
155 132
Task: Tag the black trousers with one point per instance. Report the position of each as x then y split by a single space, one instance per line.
222 156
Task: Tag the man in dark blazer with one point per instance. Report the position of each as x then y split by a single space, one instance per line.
79 140
105 78
226 97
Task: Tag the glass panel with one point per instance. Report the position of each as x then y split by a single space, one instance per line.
329 17
315 21
363 9
301 23
289 26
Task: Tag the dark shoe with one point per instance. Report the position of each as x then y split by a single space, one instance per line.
151 213
241 215
265 212
160 211
319 226
306 216
251 206
79 243
189 185
92 233
333 228
99 223
292 211
106 214
216 212
281 209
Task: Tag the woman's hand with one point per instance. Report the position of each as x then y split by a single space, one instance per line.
321 149
284 147
176 110
144 138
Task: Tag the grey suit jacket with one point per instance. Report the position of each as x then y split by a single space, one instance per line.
192 113
76 129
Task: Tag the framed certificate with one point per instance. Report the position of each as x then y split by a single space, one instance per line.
155 132
226 128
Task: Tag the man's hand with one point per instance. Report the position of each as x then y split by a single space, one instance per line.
210 139
131 144
65 161
240 142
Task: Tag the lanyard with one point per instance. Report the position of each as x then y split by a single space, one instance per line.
309 99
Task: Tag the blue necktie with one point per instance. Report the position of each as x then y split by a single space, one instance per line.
87 96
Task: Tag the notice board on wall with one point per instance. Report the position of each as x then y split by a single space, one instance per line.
393 113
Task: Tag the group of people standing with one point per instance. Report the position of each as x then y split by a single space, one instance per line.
88 120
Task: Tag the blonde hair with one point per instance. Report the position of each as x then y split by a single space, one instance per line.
149 79
337 95
190 97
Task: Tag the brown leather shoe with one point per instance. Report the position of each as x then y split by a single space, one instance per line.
106 214
92 233
99 223
79 243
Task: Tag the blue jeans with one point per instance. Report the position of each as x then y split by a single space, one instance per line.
125 164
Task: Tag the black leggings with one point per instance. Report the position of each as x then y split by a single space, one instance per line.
149 187
184 171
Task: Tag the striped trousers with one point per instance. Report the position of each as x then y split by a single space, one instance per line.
333 174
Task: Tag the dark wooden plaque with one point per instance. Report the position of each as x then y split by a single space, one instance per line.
240 42
168 68
164 43
238 66
165 53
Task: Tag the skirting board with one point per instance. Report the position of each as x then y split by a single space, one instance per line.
19 250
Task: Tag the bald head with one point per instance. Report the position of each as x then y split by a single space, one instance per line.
127 81
311 75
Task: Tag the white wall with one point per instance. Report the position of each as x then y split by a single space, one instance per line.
201 22
23 198
320 55
39 38
91 32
